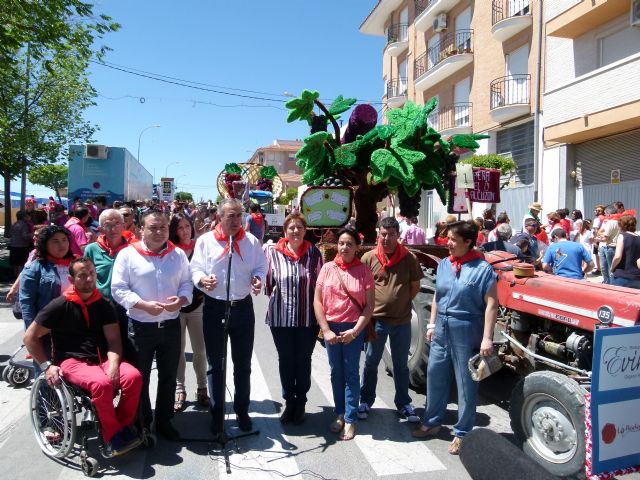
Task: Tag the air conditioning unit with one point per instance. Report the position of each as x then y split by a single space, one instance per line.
635 13
96 151
440 22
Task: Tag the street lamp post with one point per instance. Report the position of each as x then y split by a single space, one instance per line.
140 137
167 168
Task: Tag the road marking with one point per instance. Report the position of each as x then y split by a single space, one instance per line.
386 456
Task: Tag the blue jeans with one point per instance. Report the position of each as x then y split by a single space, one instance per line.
344 361
399 340
454 343
606 257
295 346
625 282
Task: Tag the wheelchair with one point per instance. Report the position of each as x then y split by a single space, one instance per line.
63 417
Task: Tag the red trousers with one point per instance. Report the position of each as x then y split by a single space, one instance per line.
94 379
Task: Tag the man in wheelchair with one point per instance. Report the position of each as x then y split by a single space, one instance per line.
86 350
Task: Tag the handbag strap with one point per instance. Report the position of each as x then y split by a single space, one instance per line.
344 287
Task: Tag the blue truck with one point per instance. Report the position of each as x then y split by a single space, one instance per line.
112 172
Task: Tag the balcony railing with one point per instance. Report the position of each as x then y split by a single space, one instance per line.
457 115
510 90
422 5
454 43
397 33
502 9
397 88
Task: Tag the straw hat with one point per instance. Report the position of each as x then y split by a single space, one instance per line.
535 206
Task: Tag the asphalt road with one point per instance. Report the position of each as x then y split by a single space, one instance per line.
383 446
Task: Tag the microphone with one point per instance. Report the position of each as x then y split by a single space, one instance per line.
487 455
230 246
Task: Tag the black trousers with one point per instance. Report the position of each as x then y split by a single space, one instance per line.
241 332
295 346
128 350
164 343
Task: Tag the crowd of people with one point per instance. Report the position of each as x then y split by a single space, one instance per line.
146 275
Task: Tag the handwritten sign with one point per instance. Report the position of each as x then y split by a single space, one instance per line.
615 399
486 186
326 207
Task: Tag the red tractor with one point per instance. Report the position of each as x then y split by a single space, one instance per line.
544 334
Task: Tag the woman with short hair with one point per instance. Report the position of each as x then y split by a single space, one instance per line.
463 314
624 267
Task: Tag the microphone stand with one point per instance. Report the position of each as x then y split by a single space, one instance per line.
222 438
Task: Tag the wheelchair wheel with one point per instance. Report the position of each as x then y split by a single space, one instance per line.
18 377
53 418
5 373
89 465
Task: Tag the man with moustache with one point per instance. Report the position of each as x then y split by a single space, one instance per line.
209 273
397 274
151 280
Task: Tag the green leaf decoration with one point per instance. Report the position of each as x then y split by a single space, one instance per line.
467 140
404 120
314 159
422 121
341 104
232 168
268 172
300 108
345 157
385 132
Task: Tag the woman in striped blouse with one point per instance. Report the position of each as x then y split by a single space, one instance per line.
294 264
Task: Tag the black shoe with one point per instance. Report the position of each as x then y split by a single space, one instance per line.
244 422
298 416
288 414
167 431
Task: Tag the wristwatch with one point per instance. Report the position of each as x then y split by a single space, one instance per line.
45 365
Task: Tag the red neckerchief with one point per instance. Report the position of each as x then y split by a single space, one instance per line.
59 261
399 253
457 262
281 247
186 246
220 236
102 243
142 250
442 240
346 266
257 218
130 236
71 295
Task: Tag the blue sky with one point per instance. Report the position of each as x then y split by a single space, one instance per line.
266 47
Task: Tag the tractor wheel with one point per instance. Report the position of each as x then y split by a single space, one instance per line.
547 418
419 348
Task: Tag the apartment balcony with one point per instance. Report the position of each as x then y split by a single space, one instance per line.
453 52
427 10
454 119
510 97
397 39
396 92
585 16
509 17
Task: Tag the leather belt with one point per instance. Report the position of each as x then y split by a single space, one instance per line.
234 303
159 324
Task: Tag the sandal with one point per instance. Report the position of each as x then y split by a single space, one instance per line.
181 397
202 397
454 446
337 425
349 432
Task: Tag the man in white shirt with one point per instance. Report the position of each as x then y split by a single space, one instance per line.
151 280
209 273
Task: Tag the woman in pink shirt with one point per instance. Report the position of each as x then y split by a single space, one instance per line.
343 304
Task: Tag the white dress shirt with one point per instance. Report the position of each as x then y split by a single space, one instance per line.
150 278
209 257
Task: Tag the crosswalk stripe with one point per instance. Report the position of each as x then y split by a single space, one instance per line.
386 457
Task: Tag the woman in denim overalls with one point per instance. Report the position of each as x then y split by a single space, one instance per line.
463 315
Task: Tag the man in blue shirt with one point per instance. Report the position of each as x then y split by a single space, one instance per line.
566 259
